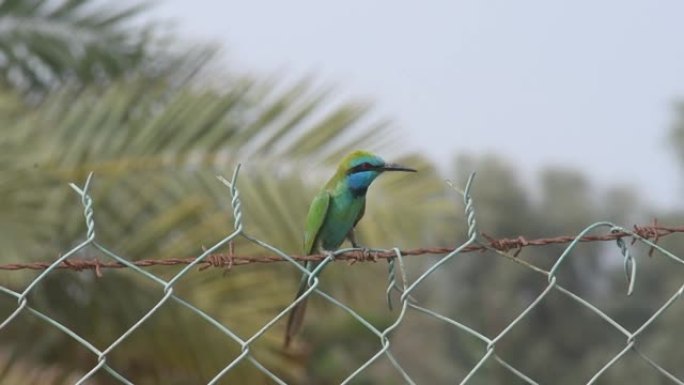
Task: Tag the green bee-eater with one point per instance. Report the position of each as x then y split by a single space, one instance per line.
334 213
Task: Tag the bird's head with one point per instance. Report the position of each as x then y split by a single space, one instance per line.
360 168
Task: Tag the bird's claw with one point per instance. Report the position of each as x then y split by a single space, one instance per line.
364 254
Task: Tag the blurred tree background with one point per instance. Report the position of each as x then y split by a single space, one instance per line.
89 87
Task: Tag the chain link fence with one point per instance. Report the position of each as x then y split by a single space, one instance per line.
398 286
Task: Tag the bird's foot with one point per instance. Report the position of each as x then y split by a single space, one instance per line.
363 255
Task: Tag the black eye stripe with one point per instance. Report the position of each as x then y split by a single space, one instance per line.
361 167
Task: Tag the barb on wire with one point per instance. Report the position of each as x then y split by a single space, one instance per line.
221 260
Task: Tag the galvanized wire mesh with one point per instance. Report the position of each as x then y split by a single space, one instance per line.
398 282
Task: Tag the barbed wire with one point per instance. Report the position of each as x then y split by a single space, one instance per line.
228 260
398 282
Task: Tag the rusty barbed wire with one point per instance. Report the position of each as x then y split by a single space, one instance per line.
228 260
398 284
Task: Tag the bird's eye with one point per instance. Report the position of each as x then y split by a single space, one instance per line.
365 166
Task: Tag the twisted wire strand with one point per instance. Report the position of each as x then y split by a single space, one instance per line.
397 281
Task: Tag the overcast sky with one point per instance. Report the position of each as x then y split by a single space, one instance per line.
588 84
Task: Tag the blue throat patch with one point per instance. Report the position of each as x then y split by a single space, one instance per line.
358 182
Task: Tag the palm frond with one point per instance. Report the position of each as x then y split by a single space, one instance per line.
47 43
155 148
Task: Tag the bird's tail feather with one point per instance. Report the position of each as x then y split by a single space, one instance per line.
296 317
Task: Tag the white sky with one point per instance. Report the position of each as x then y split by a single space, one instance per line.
588 84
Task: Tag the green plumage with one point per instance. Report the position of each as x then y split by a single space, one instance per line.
333 214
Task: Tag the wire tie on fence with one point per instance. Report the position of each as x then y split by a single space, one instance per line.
235 193
468 202
87 202
392 277
391 280
630 264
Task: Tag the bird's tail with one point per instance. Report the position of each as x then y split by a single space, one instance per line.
296 317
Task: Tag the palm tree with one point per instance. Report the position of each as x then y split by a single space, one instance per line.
47 43
155 145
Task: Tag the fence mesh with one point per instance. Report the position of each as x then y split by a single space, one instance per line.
398 286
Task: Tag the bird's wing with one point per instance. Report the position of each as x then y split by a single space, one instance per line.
314 220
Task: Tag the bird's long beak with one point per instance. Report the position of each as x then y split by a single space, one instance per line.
396 167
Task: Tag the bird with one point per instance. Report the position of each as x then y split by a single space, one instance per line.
333 214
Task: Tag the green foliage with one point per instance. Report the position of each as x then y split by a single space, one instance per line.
46 43
155 150
109 98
